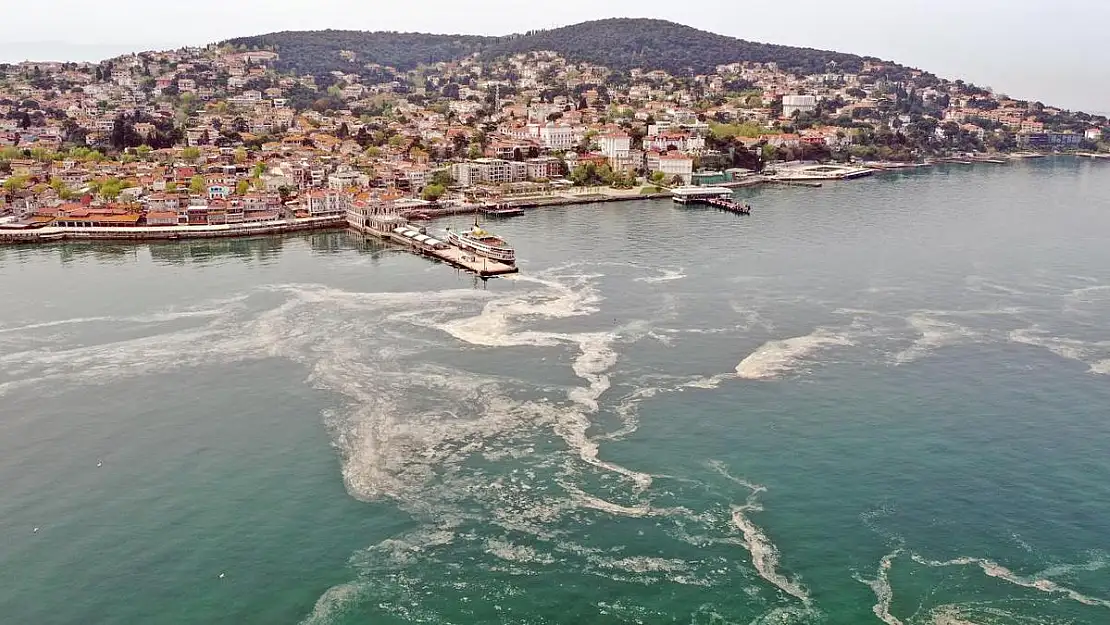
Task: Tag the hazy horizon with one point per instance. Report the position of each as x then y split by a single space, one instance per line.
1022 48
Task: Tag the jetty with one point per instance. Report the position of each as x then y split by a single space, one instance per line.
500 210
796 183
717 197
396 229
816 171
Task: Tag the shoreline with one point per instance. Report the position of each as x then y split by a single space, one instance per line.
141 234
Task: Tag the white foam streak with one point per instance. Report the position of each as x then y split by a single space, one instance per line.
1090 353
765 556
884 595
666 275
993 569
934 334
333 603
775 358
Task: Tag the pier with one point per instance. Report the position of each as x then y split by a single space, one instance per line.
717 197
501 210
396 229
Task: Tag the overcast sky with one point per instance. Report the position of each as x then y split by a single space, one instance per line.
1050 50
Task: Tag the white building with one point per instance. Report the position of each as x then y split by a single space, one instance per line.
678 165
331 202
557 137
615 145
341 180
489 171
799 104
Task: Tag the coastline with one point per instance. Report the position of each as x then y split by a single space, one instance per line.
140 234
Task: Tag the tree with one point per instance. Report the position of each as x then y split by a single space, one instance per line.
433 192
657 177
443 178
111 188
241 155
242 187
197 184
14 183
191 154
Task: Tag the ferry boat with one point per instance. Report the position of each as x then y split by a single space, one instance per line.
483 243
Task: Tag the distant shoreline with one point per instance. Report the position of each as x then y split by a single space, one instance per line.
31 236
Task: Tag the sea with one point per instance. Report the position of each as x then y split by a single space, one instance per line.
885 400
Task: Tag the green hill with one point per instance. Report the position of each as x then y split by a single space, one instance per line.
620 44
318 51
624 43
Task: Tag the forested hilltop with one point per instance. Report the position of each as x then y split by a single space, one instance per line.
317 52
650 44
620 44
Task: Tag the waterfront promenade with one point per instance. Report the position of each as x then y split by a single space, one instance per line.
49 234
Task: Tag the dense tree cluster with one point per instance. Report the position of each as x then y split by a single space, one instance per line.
318 52
630 43
658 44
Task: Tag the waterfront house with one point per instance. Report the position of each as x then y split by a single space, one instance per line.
161 218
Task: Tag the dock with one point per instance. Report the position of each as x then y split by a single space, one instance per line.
717 197
502 210
396 229
796 183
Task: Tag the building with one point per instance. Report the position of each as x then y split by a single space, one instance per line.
489 171
557 137
544 168
1049 140
161 218
798 104
676 165
615 145
327 203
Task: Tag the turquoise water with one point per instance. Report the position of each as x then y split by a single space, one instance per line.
879 401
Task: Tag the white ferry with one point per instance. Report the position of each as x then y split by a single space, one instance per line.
483 243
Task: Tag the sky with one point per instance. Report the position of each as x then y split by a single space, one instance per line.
1054 51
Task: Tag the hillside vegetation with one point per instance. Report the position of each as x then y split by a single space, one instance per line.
620 44
318 51
624 44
